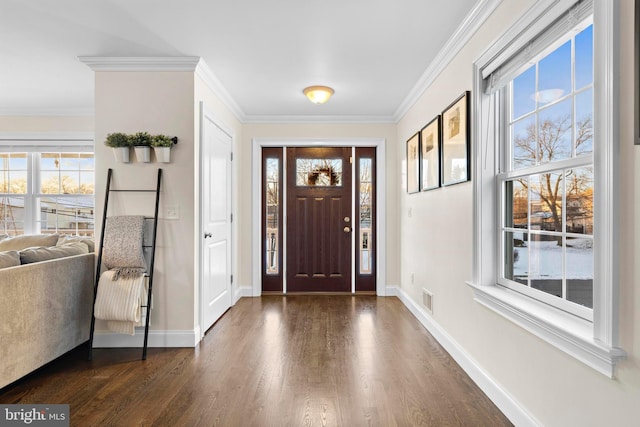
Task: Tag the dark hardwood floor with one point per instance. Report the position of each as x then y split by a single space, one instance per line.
274 361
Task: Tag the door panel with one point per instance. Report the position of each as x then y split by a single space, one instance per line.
216 217
318 210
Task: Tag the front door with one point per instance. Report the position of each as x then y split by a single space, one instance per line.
319 222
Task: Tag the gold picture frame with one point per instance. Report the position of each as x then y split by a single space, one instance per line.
455 165
413 164
430 155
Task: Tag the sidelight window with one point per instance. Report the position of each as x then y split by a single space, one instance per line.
272 188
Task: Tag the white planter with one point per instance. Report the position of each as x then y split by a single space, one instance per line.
163 154
121 154
143 153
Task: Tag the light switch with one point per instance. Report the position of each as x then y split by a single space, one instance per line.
172 212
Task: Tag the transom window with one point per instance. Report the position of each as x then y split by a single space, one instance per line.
547 183
47 193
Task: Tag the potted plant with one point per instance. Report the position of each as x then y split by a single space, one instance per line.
120 143
162 145
141 142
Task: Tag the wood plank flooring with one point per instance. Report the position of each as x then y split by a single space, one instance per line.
274 361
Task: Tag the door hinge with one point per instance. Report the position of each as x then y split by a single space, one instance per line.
231 218
232 279
350 160
231 156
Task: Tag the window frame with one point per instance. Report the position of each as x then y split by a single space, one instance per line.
595 342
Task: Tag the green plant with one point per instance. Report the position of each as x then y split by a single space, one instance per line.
117 139
140 139
161 141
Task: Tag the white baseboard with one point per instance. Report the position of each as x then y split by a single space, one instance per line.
392 290
509 406
177 338
241 292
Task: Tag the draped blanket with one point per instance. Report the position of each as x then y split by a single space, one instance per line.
121 289
119 302
123 239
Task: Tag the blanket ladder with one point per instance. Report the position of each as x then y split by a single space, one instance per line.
151 258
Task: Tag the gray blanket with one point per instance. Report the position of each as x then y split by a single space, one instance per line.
122 252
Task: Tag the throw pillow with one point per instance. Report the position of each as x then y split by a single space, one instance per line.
31 255
9 259
19 243
91 244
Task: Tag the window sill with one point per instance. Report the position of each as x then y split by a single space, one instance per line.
566 332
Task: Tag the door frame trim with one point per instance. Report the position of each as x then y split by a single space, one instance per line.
256 188
207 114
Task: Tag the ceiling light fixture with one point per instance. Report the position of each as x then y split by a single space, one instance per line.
318 94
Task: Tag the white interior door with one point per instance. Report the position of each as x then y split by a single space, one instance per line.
216 222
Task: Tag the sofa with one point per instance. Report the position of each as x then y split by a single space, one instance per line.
46 294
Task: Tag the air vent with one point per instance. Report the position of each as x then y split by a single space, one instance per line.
427 300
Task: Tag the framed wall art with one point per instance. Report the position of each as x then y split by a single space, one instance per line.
430 155
456 141
413 165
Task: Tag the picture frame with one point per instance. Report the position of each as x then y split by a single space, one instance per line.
455 148
413 164
430 137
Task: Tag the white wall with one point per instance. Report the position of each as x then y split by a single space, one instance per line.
46 123
307 131
436 248
156 102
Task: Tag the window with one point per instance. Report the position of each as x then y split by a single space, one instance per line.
544 198
272 215
547 176
273 218
319 172
48 192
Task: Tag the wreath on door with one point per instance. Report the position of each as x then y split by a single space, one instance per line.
326 170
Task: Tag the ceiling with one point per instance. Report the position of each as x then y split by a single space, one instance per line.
372 52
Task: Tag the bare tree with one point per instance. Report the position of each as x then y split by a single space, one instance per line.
548 142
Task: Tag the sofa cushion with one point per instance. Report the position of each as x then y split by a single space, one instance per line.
64 239
9 259
31 255
19 243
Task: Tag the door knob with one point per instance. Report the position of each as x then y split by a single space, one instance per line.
207 235
347 219
346 229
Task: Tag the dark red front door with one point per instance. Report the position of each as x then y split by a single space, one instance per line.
319 219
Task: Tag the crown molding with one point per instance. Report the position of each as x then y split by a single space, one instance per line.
309 119
472 22
203 71
193 64
140 63
31 112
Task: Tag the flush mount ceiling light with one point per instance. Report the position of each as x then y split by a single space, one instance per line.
318 94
